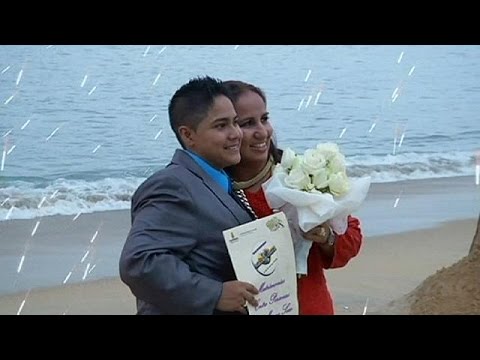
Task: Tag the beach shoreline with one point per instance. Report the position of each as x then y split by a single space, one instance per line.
388 267
63 250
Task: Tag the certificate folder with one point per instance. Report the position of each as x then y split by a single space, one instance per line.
262 254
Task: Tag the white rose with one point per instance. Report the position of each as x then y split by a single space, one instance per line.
288 157
297 179
313 161
297 162
328 150
320 180
278 169
338 184
337 164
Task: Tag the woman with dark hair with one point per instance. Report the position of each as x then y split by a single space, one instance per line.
259 155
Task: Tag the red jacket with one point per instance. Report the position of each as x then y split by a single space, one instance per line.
313 294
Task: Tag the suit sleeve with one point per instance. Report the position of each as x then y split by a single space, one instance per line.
347 246
161 236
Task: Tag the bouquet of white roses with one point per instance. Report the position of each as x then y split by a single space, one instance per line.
314 188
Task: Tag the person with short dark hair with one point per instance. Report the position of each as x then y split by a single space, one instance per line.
175 260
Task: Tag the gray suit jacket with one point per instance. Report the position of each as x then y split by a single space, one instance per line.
175 258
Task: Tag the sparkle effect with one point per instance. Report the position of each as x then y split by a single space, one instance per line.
91 91
53 133
158 134
9 99
365 308
400 58
156 79
19 77
6 69
477 168
146 51
23 303
84 81
35 228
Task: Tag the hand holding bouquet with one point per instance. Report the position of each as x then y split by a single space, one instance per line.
314 188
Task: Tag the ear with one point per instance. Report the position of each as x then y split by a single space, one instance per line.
186 134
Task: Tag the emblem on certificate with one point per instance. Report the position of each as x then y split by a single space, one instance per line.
262 254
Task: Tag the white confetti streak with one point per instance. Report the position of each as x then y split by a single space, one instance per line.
401 140
54 194
96 149
84 256
91 269
94 237
395 97
11 149
308 101
318 97
84 81
67 277
9 213
2 165
372 127
25 125
7 133
9 99
146 51
411 71
85 273
35 228
236 47
162 50
156 79
53 133
41 202
395 92
300 105
21 306
308 75
19 77
91 91
365 308
49 46
396 202
6 69
342 133
158 134
400 58
4 201
153 118
394 144
20 264
76 216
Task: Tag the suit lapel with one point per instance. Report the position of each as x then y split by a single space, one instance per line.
182 158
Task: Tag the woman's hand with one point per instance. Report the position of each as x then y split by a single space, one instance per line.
318 234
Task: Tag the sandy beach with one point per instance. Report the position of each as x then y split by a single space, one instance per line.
429 229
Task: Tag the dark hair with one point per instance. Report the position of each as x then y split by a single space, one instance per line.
236 89
191 103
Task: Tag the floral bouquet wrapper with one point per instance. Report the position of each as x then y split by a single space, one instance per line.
312 189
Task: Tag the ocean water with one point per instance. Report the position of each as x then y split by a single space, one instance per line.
82 126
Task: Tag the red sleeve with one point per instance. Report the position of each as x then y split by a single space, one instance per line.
347 245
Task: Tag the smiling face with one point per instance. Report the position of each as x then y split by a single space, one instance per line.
256 128
217 137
